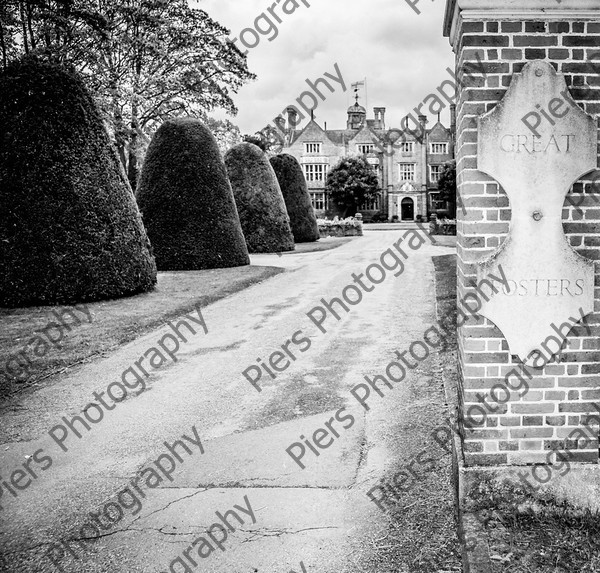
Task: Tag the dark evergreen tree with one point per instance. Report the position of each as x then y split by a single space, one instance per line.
350 183
447 187
70 230
187 202
297 200
260 204
255 140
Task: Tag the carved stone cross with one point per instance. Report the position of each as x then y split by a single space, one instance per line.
536 162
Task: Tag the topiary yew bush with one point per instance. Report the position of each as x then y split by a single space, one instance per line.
297 200
260 204
187 202
70 230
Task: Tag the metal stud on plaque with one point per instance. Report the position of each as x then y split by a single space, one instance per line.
536 143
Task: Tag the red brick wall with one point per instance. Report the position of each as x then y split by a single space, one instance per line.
562 394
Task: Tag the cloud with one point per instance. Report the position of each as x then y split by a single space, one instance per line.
402 54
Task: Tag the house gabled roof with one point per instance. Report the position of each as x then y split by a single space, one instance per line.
438 130
365 135
312 127
340 136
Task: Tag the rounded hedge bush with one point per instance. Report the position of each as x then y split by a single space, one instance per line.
297 200
187 202
70 230
260 204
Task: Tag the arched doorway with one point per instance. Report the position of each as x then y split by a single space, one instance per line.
407 209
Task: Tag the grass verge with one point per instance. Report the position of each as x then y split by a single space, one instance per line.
533 532
113 323
323 244
445 293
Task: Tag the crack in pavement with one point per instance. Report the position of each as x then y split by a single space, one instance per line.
166 506
237 485
130 528
264 532
160 530
362 450
116 531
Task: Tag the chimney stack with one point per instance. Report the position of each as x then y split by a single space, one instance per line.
379 117
423 125
280 122
292 114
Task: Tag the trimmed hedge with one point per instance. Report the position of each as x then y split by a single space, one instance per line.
297 200
187 202
70 230
260 204
349 227
442 226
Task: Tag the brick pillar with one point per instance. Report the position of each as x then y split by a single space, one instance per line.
492 40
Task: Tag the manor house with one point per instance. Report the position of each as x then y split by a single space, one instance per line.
408 171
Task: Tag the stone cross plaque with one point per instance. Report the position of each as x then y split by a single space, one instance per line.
536 158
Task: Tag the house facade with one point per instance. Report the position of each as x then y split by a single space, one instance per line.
407 164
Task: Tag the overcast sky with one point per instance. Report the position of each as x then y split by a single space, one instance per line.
402 54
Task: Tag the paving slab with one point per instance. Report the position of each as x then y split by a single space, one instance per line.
260 458
316 526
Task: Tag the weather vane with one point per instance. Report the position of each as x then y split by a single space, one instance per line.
356 85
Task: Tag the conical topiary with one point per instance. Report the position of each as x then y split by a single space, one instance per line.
260 204
187 202
70 230
297 200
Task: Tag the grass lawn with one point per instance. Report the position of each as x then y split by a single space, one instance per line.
445 292
323 244
113 322
533 532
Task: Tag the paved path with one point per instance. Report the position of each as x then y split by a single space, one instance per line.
320 515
